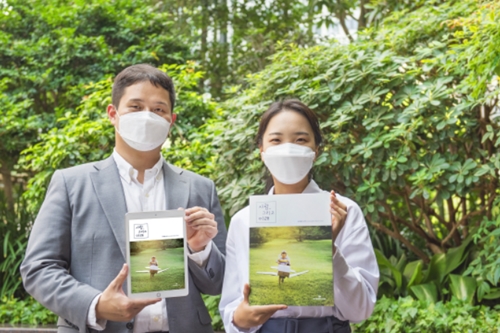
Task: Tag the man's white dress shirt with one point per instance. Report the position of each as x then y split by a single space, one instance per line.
356 271
148 196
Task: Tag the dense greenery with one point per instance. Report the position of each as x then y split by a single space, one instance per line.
411 316
400 138
28 311
50 50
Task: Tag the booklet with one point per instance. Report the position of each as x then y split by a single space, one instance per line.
156 254
291 250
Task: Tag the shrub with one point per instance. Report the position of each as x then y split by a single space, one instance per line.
404 136
412 316
28 311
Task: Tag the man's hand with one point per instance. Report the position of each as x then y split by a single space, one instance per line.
201 228
339 214
114 305
246 316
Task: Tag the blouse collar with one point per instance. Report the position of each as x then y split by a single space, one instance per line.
312 187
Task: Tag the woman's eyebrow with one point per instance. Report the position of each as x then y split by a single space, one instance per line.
301 133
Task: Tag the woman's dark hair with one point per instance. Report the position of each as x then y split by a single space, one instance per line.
139 73
288 105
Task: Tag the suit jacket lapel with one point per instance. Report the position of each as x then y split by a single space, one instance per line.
109 191
176 186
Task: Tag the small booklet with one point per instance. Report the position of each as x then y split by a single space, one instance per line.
156 254
291 250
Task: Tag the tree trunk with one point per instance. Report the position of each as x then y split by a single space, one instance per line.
7 185
204 33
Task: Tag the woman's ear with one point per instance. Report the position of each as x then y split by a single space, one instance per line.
260 151
317 153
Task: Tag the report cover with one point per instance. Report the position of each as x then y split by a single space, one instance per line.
291 250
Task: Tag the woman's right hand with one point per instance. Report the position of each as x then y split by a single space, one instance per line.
247 316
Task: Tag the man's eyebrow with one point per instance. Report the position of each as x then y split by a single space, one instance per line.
135 100
142 101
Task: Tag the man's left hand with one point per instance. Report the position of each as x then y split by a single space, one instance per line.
201 227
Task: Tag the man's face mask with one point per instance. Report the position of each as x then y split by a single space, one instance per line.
143 130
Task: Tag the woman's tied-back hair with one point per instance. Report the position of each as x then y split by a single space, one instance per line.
140 73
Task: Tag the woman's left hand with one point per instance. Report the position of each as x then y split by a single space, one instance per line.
339 214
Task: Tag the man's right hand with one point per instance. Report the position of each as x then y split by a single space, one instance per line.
114 305
247 316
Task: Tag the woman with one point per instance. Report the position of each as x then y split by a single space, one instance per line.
289 139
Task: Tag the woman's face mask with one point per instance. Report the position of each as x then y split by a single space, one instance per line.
143 130
289 163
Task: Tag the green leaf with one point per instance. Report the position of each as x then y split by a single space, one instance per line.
413 272
493 294
425 292
384 262
463 287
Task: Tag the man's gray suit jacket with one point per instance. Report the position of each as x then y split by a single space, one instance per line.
77 245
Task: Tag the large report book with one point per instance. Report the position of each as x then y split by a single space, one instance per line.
291 250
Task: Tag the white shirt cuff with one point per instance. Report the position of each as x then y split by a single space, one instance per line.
92 321
200 258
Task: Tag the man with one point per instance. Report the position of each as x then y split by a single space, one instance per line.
74 262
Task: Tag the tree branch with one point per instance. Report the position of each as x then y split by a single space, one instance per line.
341 17
421 254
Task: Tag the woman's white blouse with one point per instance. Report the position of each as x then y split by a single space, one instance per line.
356 271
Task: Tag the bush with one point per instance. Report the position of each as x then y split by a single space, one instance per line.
404 136
412 316
28 312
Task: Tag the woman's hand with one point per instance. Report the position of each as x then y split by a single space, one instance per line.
339 214
247 316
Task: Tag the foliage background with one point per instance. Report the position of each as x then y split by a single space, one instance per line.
409 110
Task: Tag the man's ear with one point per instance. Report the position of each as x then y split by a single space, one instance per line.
111 111
174 118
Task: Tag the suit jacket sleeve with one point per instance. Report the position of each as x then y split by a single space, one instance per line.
208 278
45 269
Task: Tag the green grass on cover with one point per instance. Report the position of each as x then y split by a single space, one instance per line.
173 278
312 255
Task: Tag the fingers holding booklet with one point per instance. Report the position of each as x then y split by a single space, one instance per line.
247 316
114 305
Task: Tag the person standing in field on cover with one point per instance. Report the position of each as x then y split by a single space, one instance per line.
74 263
289 139
153 267
283 259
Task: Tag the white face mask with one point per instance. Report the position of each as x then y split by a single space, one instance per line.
143 130
289 163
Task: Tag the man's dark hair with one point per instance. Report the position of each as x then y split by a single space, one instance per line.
139 73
